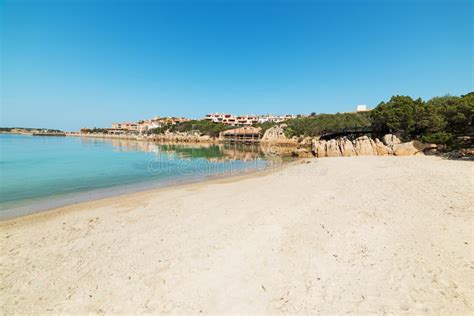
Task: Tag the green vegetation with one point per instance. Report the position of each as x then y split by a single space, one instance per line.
202 127
266 125
327 123
316 125
439 120
407 117
96 130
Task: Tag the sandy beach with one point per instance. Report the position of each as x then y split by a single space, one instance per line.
333 235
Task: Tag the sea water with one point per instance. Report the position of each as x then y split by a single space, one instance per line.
42 172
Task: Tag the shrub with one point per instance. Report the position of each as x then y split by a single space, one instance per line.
438 138
327 123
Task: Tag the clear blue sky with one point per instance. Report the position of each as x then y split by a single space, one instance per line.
68 64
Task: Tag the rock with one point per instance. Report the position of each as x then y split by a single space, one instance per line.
346 147
306 142
430 149
456 154
364 146
182 137
430 146
274 149
468 152
274 133
373 145
390 140
332 149
303 153
319 148
381 149
408 149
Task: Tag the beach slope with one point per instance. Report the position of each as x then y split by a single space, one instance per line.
335 235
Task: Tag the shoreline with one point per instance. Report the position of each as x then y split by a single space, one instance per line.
284 144
115 192
30 202
108 136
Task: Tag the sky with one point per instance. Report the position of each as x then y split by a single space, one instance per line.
84 63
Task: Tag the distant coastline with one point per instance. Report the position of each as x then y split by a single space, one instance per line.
441 125
29 130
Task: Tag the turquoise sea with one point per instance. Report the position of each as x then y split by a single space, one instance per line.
38 173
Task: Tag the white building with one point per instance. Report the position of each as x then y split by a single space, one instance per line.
275 118
144 126
223 118
361 108
129 126
246 120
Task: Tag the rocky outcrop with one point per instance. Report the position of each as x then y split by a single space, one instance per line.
381 149
391 140
363 146
306 142
408 149
276 135
319 148
270 150
302 153
183 138
332 149
346 147
465 153
431 149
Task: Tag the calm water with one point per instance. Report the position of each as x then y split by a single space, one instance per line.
38 173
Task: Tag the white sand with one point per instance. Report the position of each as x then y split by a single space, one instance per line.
360 235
